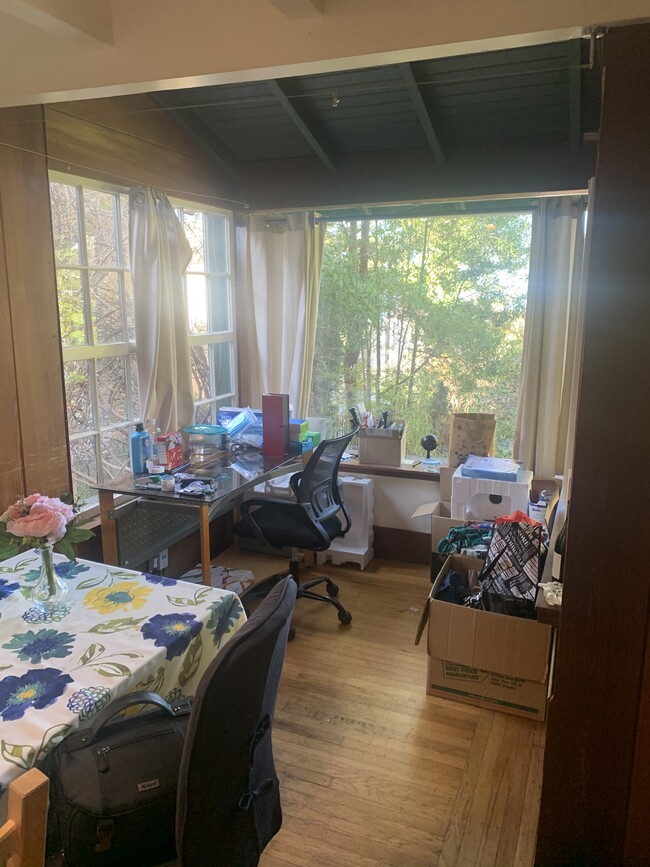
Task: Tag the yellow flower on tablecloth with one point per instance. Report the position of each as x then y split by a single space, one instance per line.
123 596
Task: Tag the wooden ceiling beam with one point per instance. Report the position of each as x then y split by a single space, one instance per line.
199 131
306 132
422 111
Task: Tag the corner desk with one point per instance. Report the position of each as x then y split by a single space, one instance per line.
231 474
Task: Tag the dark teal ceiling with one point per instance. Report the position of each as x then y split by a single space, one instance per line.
538 92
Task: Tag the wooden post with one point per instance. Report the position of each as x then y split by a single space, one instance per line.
22 837
204 517
109 529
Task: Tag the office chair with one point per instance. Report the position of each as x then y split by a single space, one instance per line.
309 522
228 802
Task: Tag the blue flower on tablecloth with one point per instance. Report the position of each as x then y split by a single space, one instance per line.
89 700
70 569
37 688
65 569
225 613
7 588
173 631
35 615
160 579
44 644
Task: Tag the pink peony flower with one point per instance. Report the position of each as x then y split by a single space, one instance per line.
13 513
30 500
41 521
56 505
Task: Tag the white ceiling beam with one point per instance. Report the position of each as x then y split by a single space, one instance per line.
76 19
295 9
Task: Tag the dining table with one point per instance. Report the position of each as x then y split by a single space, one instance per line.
118 631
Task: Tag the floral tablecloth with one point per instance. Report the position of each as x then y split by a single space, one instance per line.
120 631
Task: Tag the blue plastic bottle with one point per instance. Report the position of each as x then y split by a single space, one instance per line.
139 443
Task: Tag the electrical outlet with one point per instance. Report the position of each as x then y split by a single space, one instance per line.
163 559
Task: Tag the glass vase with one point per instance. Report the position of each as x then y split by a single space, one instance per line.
50 591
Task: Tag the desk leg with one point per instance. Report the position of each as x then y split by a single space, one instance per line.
204 517
109 529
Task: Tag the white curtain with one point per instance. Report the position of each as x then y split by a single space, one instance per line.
160 253
552 338
284 264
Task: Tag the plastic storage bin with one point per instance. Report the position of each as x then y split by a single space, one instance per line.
487 499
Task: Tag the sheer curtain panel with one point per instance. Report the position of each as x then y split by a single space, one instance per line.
552 337
160 253
284 264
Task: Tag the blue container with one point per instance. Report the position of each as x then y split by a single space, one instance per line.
139 448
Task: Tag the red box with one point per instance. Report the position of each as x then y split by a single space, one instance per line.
169 450
275 425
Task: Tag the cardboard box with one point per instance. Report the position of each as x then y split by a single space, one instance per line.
485 659
169 450
384 447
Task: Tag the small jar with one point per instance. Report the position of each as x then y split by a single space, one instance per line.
167 484
431 465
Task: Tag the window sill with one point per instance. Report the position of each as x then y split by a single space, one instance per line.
405 471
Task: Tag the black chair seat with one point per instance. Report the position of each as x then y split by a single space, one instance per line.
281 531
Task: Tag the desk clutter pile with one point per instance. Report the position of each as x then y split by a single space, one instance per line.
484 643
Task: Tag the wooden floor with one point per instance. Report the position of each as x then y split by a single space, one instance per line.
372 770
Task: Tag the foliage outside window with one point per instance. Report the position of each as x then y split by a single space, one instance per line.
424 317
96 315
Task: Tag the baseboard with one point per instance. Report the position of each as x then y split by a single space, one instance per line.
404 545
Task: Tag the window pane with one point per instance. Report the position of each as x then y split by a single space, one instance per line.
83 457
221 354
124 230
217 243
115 452
106 306
220 317
65 223
203 414
130 310
200 373
135 390
99 213
78 396
71 307
111 390
193 227
197 303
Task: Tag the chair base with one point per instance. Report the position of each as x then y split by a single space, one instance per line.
304 590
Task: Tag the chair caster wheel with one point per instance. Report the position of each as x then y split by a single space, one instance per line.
332 589
292 634
345 617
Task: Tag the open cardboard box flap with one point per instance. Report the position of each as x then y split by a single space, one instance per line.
438 507
506 645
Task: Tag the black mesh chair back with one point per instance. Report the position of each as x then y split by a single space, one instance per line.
318 482
228 793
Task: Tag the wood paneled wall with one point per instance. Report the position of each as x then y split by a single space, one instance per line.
598 755
129 140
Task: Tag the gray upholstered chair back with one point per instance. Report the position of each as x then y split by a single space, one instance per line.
228 792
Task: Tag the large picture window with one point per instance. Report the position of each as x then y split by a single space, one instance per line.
96 314
423 317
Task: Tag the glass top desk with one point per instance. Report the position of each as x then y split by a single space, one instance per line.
230 475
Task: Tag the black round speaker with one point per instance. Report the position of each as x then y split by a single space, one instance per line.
429 443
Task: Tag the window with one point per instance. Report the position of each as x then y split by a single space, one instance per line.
209 290
424 317
96 315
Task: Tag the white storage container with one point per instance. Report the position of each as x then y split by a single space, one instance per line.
487 499
356 545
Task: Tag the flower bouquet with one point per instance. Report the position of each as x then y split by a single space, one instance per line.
47 524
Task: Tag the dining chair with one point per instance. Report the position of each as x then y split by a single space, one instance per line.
311 520
228 802
22 836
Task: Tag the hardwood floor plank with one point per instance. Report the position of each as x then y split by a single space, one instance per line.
375 773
